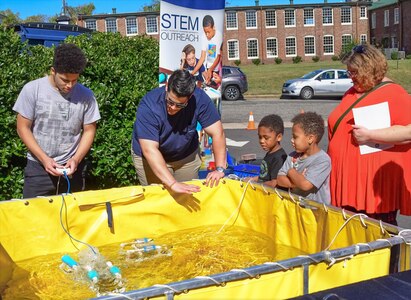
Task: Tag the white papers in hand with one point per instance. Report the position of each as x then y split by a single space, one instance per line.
373 117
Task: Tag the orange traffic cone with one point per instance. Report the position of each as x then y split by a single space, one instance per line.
251 125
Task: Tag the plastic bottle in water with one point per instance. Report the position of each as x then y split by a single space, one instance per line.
91 274
115 271
148 251
69 261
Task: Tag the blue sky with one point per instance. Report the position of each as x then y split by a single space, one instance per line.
51 8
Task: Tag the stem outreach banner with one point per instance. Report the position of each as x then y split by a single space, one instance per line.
191 37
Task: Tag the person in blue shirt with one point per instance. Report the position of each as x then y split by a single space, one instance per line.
165 146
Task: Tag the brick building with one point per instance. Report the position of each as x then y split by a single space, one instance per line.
388 22
264 32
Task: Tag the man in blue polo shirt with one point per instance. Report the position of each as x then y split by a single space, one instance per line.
165 146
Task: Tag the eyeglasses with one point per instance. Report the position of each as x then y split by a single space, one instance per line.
359 49
176 104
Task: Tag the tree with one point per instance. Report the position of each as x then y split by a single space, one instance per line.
154 6
36 18
75 11
10 18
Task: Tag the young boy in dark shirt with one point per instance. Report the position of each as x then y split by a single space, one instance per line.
270 134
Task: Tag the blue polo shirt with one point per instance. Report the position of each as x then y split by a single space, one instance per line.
177 135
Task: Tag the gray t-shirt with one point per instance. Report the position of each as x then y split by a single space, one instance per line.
57 121
318 168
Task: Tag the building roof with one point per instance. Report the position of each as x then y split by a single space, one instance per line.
382 3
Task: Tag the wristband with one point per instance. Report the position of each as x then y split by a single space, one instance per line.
220 169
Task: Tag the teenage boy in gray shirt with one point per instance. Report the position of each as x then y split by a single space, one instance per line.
56 120
306 170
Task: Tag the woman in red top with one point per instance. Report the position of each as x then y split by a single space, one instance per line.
377 183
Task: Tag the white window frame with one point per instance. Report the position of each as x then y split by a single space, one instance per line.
272 18
288 17
88 21
363 12
346 13
230 20
290 47
108 21
311 45
363 38
306 18
325 17
249 49
149 23
236 49
396 15
386 18
328 45
373 20
275 47
251 19
131 25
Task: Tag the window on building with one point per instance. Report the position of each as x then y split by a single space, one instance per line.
363 12
111 25
251 19
345 15
91 24
363 38
233 50
131 26
252 48
270 20
386 18
373 20
309 45
327 16
396 15
289 19
231 20
151 24
308 16
290 46
394 42
346 40
328 44
272 50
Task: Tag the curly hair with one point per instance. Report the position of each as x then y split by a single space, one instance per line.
69 58
368 63
274 122
311 123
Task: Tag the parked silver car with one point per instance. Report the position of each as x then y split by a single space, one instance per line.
234 83
330 82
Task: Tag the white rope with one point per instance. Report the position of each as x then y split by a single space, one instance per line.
121 295
237 209
291 196
278 194
309 257
325 208
403 238
366 245
345 223
270 263
265 191
167 287
382 228
212 279
344 215
244 271
385 240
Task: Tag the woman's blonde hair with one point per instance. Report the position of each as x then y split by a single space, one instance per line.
369 63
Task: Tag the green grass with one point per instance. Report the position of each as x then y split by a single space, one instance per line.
267 80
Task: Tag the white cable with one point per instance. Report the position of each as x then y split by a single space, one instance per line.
345 223
237 208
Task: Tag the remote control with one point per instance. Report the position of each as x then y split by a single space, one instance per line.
62 170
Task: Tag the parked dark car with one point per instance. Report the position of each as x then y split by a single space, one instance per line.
331 82
234 83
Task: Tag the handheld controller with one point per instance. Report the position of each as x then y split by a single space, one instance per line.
63 170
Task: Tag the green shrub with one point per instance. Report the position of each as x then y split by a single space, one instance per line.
120 71
237 62
316 58
256 61
278 60
297 59
394 55
408 56
335 58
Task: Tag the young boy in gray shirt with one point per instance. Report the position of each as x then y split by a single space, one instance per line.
306 170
